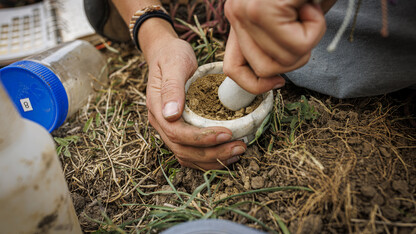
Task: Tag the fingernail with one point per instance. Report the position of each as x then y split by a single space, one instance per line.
223 137
233 160
278 86
238 150
170 109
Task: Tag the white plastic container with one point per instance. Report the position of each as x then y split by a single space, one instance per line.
243 128
34 197
51 86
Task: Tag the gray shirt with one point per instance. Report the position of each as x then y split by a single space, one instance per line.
371 64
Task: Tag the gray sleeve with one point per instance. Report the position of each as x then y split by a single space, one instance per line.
371 64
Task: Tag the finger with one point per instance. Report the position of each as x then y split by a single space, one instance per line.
227 153
236 67
178 131
222 152
261 62
209 166
174 74
297 35
182 133
314 21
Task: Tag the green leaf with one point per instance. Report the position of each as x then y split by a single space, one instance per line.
293 106
293 123
282 225
61 141
193 28
98 119
92 135
72 139
87 125
288 119
247 216
165 152
262 128
263 190
59 150
66 152
129 124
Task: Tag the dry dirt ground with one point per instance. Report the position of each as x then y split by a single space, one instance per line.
323 166
343 166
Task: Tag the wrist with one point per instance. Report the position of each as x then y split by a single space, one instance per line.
153 33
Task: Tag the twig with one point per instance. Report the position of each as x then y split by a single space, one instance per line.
385 223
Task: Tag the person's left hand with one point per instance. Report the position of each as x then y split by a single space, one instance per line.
171 63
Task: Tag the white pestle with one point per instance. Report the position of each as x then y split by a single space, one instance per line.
233 96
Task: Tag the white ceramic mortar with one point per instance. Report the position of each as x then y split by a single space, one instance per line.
243 128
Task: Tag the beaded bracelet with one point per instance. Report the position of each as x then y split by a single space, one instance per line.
142 15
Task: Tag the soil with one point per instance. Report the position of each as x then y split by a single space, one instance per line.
357 157
202 98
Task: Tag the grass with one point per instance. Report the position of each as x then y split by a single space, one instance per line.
201 204
312 153
65 143
122 158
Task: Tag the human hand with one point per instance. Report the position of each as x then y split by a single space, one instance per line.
171 62
269 37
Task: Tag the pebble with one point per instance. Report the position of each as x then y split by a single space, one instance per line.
400 186
368 191
257 182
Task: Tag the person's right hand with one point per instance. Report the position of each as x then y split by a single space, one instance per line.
269 37
171 63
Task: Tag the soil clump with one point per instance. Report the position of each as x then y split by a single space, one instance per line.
202 98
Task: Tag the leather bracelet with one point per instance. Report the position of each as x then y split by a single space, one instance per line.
142 15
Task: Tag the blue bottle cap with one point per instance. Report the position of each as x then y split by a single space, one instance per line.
37 93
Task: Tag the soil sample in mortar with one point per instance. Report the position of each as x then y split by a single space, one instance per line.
202 99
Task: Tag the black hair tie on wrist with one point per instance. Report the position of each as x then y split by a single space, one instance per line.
144 17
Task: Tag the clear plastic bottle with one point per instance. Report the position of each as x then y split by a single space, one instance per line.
51 86
34 196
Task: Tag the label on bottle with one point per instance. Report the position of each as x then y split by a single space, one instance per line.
27 106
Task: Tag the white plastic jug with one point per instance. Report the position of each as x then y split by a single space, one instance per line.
34 196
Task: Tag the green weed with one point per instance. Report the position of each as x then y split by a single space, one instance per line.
64 144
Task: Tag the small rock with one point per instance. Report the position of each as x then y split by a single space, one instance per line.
385 185
257 182
246 181
368 191
401 186
390 213
378 199
254 166
228 182
393 202
407 204
222 196
311 224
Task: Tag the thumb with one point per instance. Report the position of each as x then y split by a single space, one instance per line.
174 76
